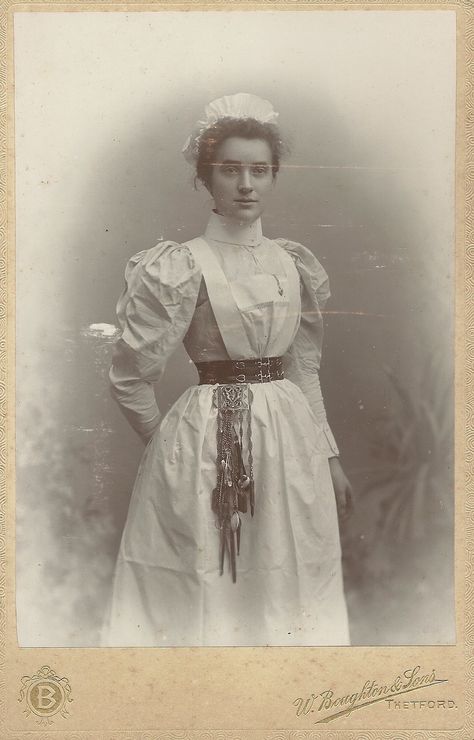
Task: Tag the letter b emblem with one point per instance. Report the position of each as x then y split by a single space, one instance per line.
45 697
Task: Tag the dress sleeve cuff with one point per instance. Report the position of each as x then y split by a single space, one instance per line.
332 448
147 429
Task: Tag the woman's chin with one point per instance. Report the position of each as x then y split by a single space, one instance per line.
241 215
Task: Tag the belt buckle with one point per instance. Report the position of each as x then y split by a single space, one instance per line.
263 364
231 397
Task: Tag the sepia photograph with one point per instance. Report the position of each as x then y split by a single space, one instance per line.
235 328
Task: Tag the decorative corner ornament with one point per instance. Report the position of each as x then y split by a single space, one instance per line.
46 695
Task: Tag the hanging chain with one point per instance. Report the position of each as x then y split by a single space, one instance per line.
234 487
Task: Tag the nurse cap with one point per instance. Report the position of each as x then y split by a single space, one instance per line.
240 105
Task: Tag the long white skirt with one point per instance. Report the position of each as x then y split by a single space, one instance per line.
167 587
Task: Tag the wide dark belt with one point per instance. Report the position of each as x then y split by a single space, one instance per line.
260 370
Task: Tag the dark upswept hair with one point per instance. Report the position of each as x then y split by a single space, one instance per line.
246 128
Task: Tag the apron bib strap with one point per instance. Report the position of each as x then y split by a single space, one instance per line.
225 309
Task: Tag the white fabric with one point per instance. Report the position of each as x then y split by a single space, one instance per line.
225 231
240 105
167 588
163 304
224 305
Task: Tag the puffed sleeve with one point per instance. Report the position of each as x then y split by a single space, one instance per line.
154 313
302 361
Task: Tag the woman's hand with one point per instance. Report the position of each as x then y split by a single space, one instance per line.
342 489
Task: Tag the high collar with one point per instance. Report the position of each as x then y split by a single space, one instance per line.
224 230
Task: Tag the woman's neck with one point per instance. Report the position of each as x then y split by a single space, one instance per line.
225 230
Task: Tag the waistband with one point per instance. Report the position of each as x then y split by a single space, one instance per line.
258 370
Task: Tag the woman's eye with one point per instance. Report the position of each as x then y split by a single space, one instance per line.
260 170
230 169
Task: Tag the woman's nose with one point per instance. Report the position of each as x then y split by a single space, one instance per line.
244 181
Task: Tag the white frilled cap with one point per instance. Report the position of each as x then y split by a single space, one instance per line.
240 105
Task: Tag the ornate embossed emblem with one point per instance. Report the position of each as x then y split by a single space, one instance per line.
231 397
45 694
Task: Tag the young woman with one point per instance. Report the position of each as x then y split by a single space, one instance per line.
232 532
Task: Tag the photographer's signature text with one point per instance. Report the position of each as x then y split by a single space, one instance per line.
371 692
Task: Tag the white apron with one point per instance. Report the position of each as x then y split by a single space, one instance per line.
167 587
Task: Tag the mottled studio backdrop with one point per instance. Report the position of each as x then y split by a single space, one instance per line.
104 102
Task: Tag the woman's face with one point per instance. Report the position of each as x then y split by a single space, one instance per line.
242 178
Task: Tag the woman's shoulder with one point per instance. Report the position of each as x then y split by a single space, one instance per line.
167 263
307 264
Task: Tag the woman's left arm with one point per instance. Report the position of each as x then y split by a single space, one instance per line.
306 376
302 361
342 488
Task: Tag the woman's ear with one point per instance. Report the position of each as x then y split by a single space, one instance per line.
206 183
198 182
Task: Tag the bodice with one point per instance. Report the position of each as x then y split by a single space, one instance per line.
262 285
